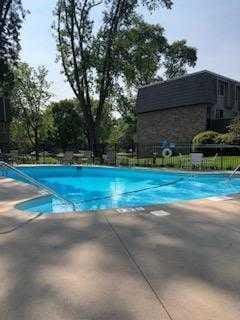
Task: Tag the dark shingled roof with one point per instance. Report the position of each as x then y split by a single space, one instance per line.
191 89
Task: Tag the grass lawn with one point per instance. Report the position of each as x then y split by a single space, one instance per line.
221 163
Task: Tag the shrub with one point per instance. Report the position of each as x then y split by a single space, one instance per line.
234 131
226 138
201 140
206 137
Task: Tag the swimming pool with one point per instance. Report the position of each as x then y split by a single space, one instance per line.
94 188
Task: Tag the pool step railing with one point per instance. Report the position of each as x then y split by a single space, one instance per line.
38 184
234 172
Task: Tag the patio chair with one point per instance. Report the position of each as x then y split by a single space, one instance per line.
67 157
84 156
196 160
87 156
109 158
13 156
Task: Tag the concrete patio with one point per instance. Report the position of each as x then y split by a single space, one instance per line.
131 266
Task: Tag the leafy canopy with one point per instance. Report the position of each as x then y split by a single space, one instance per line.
101 60
11 18
30 97
68 123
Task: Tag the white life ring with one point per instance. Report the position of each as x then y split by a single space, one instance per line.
167 153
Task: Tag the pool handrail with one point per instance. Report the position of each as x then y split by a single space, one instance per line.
235 171
38 184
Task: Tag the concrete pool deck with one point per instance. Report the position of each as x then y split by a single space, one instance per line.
129 266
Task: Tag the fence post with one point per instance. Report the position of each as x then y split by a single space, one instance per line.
132 154
115 154
154 158
93 155
137 151
221 156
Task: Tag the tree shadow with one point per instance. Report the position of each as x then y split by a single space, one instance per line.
187 247
75 267
69 268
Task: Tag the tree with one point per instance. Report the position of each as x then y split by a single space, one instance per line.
126 125
178 56
234 128
30 96
68 123
233 134
124 51
11 18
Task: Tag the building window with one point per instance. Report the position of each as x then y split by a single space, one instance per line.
222 88
219 114
238 94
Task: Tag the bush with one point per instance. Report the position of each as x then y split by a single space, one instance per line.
234 128
202 143
226 138
202 140
206 137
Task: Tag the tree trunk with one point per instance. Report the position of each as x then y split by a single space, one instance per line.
36 144
93 141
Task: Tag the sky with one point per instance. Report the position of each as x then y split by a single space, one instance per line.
212 26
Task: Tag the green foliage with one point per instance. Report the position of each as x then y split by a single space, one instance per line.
11 18
124 51
225 138
212 137
139 50
206 137
68 127
30 97
178 56
18 135
123 132
234 130
68 123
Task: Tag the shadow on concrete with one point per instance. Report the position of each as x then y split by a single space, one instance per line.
76 268
71 268
192 257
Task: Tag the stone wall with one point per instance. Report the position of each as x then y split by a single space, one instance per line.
176 125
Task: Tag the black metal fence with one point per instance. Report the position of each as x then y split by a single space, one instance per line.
180 156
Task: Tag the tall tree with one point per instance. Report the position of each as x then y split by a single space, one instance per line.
11 18
178 56
68 123
30 95
123 51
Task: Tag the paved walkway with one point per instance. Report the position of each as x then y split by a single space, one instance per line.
184 266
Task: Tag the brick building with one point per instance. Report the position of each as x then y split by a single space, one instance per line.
176 110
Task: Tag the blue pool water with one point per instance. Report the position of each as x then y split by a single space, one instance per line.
93 188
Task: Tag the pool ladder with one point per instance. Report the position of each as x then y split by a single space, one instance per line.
234 172
38 184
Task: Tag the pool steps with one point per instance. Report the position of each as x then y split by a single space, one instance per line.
38 184
234 172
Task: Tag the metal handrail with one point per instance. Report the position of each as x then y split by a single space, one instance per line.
234 172
38 184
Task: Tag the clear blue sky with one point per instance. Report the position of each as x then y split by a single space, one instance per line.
212 26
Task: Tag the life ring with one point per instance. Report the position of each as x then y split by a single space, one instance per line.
167 153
